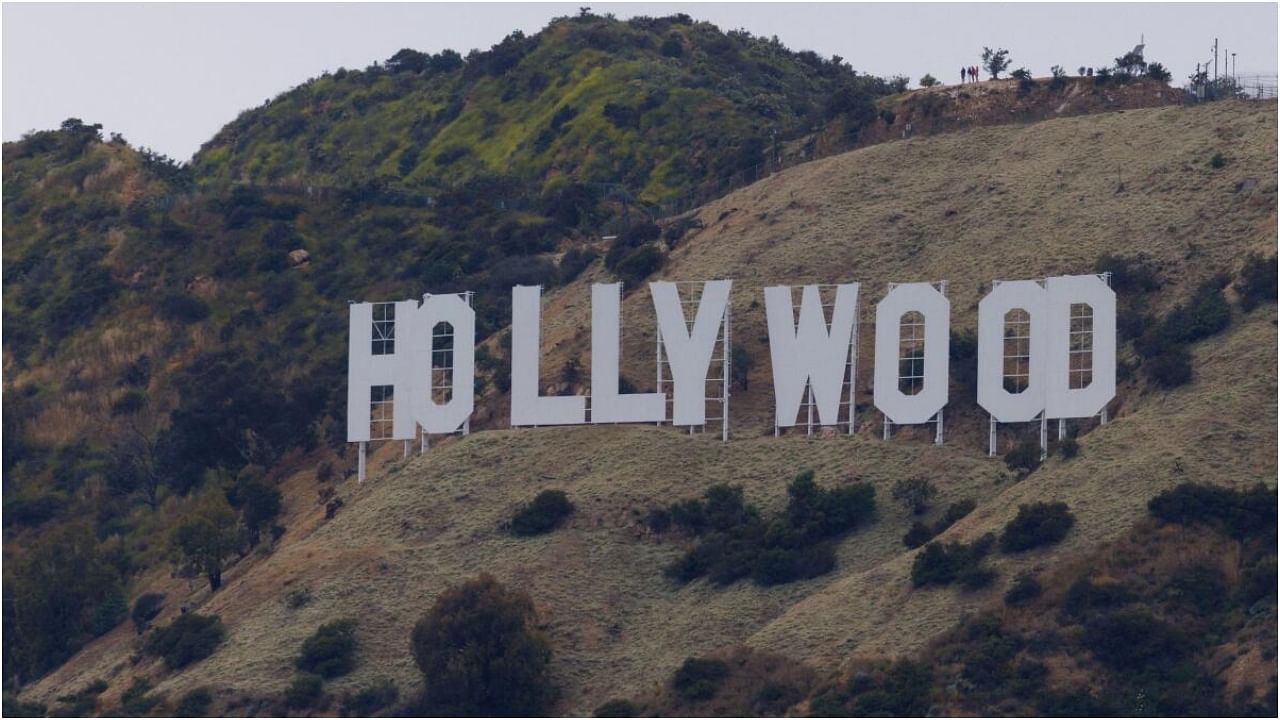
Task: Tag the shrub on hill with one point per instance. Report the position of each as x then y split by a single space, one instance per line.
618 708
480 653
369 700
735 542
194 704
1257 283
1024 457
699 678
1025 588
920 533
183 308
1240 514
943 563
330 652
305 692
914 493
546 513
1036 525
136 701
189 638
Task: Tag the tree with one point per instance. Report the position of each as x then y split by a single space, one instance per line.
408 60
259 502
1159 73
1130 65
330 651
995 61
914 493
480 654
928 81
208 535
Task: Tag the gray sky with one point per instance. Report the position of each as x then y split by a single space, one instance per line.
168 76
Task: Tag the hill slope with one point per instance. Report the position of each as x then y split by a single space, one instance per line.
1009 202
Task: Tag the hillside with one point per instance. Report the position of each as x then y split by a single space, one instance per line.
655 105
968 207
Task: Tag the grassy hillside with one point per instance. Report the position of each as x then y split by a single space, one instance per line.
657 105
969 207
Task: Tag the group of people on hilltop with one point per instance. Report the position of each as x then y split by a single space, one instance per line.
969 74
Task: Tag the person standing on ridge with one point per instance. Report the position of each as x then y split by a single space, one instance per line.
962 74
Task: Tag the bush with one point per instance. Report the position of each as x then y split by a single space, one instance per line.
976 578
189 638
736 543
370 700
1217 162
1129 274
480 654
305 692
135 700
108 614
1257 283
547 512
330 652
183 308
1024 589
1205 315
618 709
1036 525
914 493
918 535
1240 514
658 520
1132 639
640 264
699 678
942 563
956 512
1069 448
194 704
1088 596
1169 369
1025 456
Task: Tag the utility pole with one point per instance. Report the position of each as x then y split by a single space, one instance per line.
1215 60
1233 66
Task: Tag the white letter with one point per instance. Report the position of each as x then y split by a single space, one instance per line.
378 356
809 353
689 353
527 407
452 309
607 405
1026 356
1095 351
929 376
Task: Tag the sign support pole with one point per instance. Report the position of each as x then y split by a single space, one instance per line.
360 466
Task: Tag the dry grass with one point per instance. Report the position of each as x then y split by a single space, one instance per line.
1028 201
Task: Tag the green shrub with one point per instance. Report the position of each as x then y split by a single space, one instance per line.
83 703
918 535
194 704
330 652
956 512
182 307
109 613
1129 274
1069 448
1240 514
1217 162
640 264
189 638
942 563
480 654
1169 369
914 493
618 709
699 678
305 692
1087 596
1025 456
902 690
976 578
1036 525
658 520
1025 588
1205 315
547 512
1198 586
1257 283
1132 639
135 700
371 699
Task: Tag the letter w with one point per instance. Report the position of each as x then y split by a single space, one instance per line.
811 354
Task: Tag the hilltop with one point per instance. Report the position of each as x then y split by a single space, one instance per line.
1191 190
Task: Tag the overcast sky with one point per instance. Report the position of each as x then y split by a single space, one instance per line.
168 76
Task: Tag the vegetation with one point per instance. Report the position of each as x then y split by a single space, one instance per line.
369 700
480 654
944 563
209 534
914 493
920 533
1036 525
305 692
734 542
330 652
189 638
136 700
1257 283
547 512
194 703
699 678
995 61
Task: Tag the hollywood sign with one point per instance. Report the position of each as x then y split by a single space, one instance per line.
1046 350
